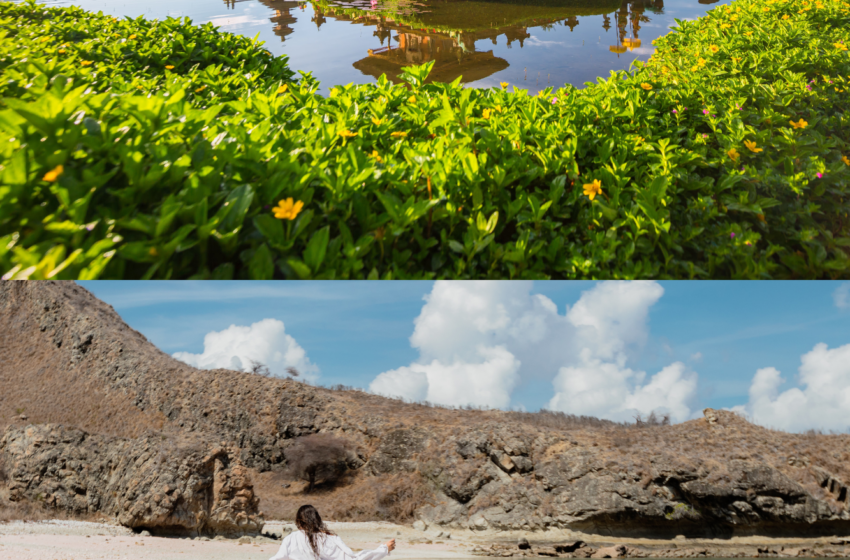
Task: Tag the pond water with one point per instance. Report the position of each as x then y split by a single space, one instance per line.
531 44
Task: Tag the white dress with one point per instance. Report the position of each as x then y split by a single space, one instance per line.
296 547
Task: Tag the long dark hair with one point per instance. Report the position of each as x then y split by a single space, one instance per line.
308 520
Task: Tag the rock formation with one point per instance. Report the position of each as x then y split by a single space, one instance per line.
156 483
715 476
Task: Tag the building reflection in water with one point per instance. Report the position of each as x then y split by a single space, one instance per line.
446 31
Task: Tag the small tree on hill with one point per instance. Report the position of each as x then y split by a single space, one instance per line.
318 458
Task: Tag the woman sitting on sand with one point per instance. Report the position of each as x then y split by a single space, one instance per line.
314 541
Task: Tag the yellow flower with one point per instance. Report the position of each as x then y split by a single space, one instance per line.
169 67
786 16
766 10
486 113
86 63
287 209
845 160
61 51
725 25
132 36
800 124
53 174
498 108
694 68
840 46
504 85
282 89
748 33
411 99
733 154
334 92
714 48
646 86
399 135
751 146
200 89
593 189
734 18
701 62
377 157
44 39
347 134
376 121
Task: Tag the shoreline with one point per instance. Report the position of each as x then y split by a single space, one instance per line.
85 540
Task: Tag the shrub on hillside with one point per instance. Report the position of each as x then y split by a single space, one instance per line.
317 458
157 149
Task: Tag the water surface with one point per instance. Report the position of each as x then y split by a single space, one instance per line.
531 44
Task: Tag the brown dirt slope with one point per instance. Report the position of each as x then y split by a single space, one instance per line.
70 359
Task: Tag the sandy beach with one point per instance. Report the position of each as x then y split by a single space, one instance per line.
78 540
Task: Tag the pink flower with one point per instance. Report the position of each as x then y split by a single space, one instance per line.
554 100
732 235
820 175
675 111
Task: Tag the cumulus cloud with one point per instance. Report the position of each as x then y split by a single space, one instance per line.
820 401
478 340
610 390
488 382
841 296
265 341
612 316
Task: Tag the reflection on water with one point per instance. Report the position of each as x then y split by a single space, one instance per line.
531 44
448 32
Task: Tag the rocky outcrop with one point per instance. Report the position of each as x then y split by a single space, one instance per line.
487 470
597 489
156 483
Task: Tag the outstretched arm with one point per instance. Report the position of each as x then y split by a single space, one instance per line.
342 552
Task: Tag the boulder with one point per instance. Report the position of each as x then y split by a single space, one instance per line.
616 551
156 483
420 525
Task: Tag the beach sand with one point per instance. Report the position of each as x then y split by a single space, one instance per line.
77 540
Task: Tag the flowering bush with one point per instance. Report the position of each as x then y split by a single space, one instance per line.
158 149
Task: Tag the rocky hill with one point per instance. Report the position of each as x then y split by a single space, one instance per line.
69 359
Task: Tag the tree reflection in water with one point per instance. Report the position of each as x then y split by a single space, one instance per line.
446 31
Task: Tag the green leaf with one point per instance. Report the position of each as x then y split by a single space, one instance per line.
262 264
271 228
314 254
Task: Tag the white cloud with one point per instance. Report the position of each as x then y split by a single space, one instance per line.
265 341
477 340
486 383
841 296
610 390
225 22
821 400
696 357
612 316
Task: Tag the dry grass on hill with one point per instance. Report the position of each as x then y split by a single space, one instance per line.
355 498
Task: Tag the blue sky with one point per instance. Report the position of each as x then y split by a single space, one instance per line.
351 332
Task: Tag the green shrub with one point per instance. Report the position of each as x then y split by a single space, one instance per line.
156 149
